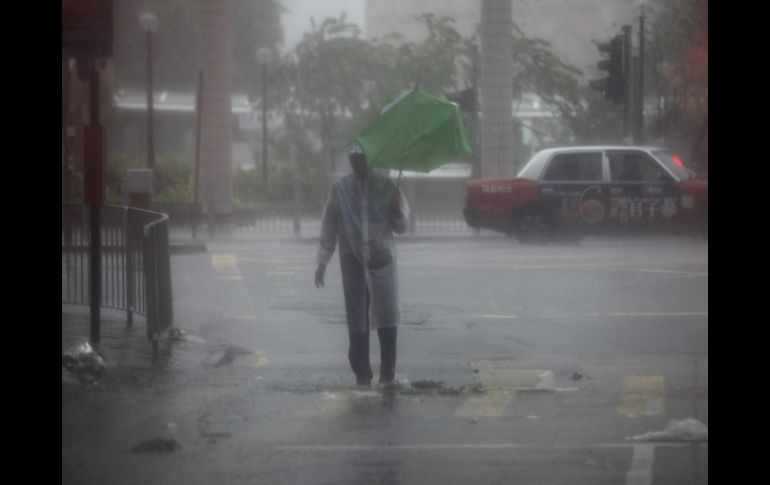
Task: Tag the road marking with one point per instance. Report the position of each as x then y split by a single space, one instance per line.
404 447
221 261
642 396
489 404
681 273
332 404
258 359
230 278
242 317
494 317
574 267
269 260
464 447
658 314
640 472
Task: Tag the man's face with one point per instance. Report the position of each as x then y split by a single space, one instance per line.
359 165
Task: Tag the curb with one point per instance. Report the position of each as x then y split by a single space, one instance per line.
187 248
400 240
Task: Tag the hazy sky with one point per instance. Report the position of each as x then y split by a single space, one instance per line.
296 20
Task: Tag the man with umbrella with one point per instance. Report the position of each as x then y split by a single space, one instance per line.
414 131
362 212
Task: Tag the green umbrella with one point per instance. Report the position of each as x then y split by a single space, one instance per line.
417 132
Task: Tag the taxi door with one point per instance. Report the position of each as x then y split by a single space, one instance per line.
574 190
642 191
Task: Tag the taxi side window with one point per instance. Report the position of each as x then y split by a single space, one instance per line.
575 167
634 167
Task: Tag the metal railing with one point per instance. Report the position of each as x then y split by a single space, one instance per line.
135 263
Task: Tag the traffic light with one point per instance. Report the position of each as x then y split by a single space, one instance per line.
612 87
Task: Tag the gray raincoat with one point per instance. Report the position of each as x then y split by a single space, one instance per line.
357 216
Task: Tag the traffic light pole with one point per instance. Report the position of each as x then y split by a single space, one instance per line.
94 196
639 91
627 134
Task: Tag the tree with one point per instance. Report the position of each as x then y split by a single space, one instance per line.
676 66
587 117
331 79
334 83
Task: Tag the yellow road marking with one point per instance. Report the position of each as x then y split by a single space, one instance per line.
489 404
658 314
494 317
258 359
242 317
224 261
331 405
642 396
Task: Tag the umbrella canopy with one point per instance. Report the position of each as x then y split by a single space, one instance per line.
417 132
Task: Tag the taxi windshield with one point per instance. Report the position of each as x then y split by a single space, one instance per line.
674 164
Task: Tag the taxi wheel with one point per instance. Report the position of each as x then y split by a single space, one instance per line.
534 224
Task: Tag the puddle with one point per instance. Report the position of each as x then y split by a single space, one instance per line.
228 355
422 387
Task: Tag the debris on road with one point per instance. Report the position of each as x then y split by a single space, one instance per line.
161 445
85 362
427 384
579 375
689 429
180 335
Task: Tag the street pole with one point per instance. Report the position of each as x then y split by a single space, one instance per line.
149 23
295 189
94 197
264 124
264 55
150 138
196 175
639 135
65 169
627 131
476 73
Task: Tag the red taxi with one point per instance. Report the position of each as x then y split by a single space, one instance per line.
577 190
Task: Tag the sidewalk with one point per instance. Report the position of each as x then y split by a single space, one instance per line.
181 239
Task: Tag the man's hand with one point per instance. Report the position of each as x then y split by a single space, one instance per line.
319 275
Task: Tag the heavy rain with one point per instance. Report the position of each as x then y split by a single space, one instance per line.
366 242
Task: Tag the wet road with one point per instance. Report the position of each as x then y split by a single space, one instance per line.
261 391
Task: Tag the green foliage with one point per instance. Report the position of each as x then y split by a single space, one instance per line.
115 173
247 186
173 179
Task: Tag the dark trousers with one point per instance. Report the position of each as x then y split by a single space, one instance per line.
359 355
